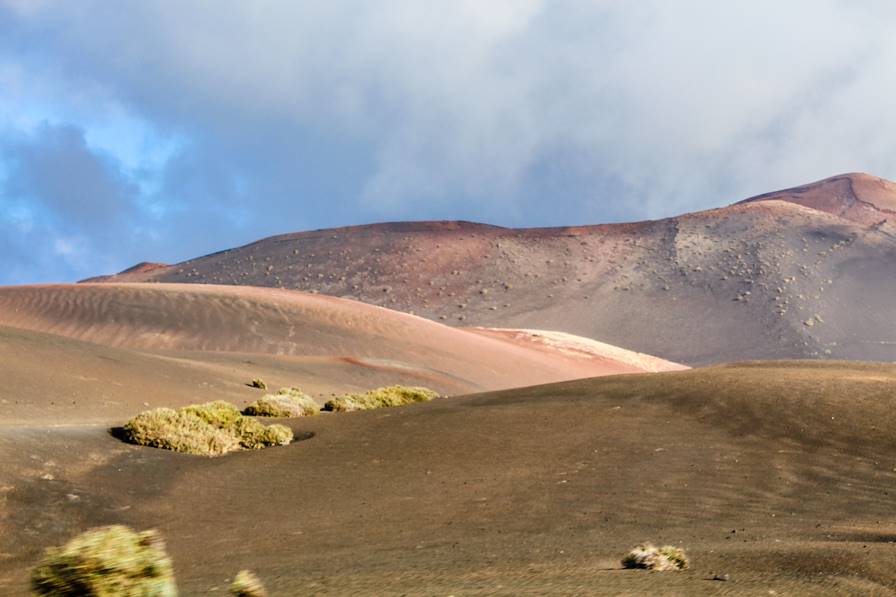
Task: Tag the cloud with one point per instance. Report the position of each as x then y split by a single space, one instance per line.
56 171
254 118
62 202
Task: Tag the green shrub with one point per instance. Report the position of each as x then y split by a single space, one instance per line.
246 584
275 435
219 414
106 562
648 556
178 431
210 429
288 402
344 403
380 398
253 435
258 383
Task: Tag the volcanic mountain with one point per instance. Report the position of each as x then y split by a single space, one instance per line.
860 198
808 272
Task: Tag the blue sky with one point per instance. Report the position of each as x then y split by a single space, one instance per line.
162 130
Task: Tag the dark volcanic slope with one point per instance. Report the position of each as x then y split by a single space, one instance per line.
779 474
808 272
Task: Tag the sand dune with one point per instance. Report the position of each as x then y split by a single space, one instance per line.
585 349
778 276
777 474
51 380
209 320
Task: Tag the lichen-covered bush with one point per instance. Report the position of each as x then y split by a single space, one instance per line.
219 414
179 431
648 556
380 398
210 429
107 562
253 435
288 402
246 584
274 435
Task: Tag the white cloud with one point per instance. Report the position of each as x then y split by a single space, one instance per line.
322 111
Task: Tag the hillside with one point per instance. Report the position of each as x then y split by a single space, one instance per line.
322 344
861 198
803 273
779 475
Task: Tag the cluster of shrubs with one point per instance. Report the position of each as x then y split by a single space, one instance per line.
651 557
216 428
380 398
210 429
114 560
292 402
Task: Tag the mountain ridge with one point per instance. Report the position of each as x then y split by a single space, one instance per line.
774 276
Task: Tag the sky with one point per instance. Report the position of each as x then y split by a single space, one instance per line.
162 130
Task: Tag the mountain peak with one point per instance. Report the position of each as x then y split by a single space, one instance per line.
854 196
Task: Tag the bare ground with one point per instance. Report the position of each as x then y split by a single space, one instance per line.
777 474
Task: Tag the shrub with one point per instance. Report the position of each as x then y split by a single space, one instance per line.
219 414
210 429
344 403
647 555
106 562
246 584
380 398
288 402
253 435
258 383
178 431
275 435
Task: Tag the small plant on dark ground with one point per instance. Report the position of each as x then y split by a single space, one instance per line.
258 383
106 562
380 398
247 584
650 557
210 429
288 402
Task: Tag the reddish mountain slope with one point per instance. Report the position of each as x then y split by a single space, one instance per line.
861 198
809 272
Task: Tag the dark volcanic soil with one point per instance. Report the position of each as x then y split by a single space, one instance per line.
779 475
807 272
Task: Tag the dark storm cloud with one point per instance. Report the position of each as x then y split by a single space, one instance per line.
281 116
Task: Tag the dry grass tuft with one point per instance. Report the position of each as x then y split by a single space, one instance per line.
650 557
247 584
380 398
211 429
288 402
105 562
